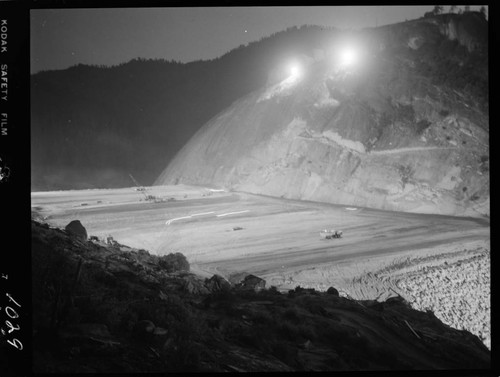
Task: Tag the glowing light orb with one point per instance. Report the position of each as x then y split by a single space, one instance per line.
295 70
349 56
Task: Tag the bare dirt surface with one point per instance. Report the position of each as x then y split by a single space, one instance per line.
279 240
455 286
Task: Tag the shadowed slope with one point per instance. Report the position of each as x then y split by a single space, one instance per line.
101 308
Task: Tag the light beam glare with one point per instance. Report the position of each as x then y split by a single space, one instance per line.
295 71
349 56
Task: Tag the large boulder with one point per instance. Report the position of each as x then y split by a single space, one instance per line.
333 291
77 230
193 285
237 277
217 283
252 282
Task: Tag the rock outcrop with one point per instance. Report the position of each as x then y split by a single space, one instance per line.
194 285
111 321
76 229
252 282
332 291
217 283
406 128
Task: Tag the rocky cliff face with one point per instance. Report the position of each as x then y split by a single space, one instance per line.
92 126
405 127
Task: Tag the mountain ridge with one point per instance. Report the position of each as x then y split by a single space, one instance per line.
385 134
93 126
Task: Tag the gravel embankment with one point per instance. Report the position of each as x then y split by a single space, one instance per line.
458 293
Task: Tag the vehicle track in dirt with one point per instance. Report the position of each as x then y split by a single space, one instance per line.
276 234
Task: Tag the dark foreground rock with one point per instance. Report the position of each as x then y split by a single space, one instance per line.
76 229
252 282
217 283
332 291
101 309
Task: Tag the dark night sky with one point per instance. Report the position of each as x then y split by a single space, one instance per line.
64 37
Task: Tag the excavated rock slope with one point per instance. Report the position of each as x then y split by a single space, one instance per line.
396 130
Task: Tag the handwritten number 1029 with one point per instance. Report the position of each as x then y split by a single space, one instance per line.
12 314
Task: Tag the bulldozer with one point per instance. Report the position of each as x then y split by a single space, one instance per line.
329 234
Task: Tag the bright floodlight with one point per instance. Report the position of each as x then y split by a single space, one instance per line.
295 70
349 56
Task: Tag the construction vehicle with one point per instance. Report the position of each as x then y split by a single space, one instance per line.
330 233
139 187
148 197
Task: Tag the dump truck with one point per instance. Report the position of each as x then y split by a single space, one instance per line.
330 233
